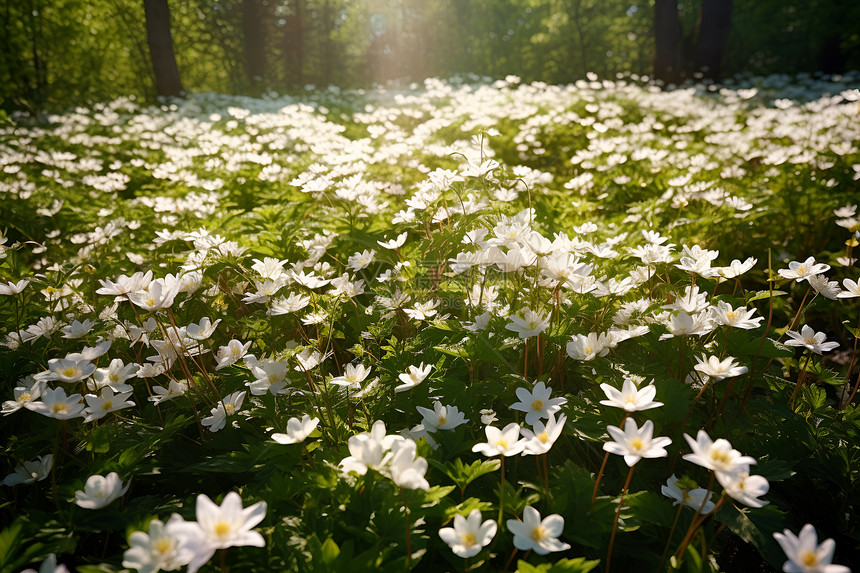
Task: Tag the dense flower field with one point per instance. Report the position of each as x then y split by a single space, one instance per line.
458 326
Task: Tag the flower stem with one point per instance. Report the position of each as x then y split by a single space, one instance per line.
669 538
617 515
502 492
800 379
408 531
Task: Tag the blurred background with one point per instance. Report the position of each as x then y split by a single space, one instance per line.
61 53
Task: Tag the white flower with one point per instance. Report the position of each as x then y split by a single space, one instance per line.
718 456
174 389
308 360
736 268
67 370
535 534
55 404
810 339
114 376
394 243
354 375
588 347
30 472
297 430
852 289
49 565
361 260
203 330
11 288
630 398
804 553
725 315
422 310
441 417
413 377
100 491
743 487
271 376
506 441
469 535
636 443
717 369
159 294
28 390
286 305
368 449
78 329
218 527
407 470
99 406
532 324
540 440
226 407
155 550
800 271
690 497
230 354
537 404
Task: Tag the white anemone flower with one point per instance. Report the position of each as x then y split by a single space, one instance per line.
804 553
636 443
469 535
538 535
100 491
297 430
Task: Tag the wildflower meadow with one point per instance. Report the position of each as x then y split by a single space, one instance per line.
463 325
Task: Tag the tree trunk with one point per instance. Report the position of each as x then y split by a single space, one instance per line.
255 41
713 37
668 42
167 82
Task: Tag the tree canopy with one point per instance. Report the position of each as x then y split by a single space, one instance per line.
58 53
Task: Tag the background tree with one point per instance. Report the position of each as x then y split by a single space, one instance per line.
167 81
61 53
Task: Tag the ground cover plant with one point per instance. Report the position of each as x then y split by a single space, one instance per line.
460 326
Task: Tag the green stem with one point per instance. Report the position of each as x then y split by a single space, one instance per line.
617 515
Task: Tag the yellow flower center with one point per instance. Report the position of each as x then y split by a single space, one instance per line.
59 408
273 378
537 405
162 546
113 377
222 529
107 405
149 302
69 372
230 408
502 444
469 540
442 421
720 457
543 436
801 270
731 315
25 397
538 533
636 444
809 559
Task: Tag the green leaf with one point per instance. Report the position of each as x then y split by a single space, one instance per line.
757 526
578 565
763 294
10 538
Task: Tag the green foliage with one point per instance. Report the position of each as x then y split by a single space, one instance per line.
261 215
